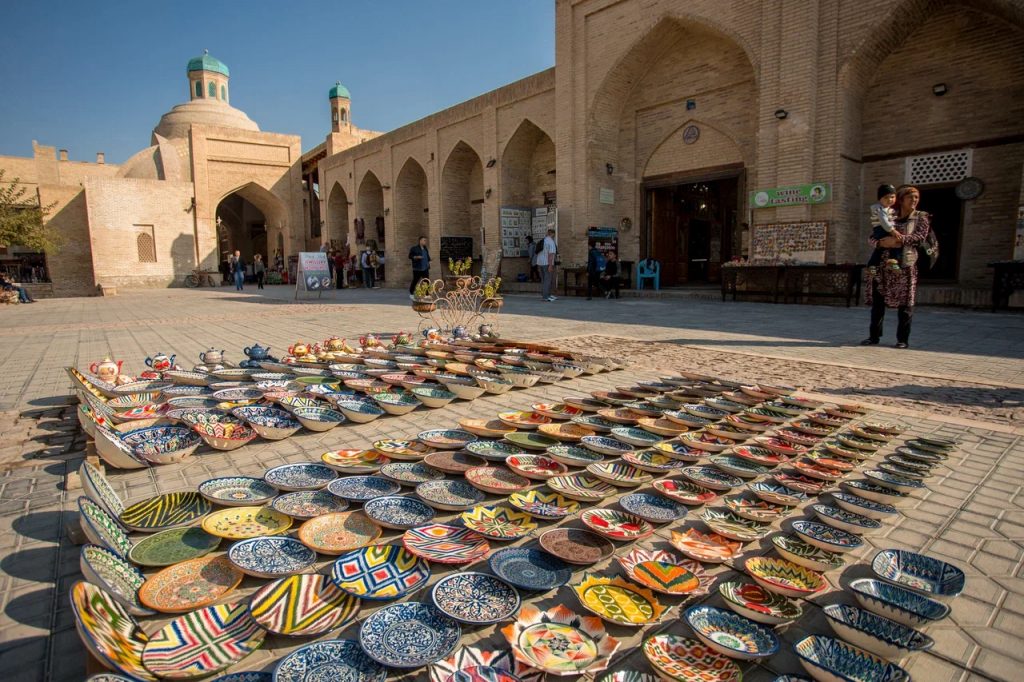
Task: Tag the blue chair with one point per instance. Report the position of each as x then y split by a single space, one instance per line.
653 273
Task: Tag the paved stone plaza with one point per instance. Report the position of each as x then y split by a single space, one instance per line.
963 376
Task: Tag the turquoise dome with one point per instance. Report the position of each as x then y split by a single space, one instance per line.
339 90
208 63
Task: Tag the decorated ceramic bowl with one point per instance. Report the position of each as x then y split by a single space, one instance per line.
530 569
398 512
542 505
362 488
864 506
271 557
619 601
662 572
619 473
595 422
498 522
537 467
169 510
408 635
433 396
165 444
919 572
448 495
190 585
776 493
572 455
565 431
380 572
826 537
711 477
560 642
710 548
616 525
784 577
582 488
359 411
446 439
898 603
530 441
341 659
307 504
116 576
445 544
827 658
108 631
684 491
498 480
652 461
410 473
879 635
688 660
576 546
606 446
756 510
758 604
806 555
237 491
523 420
738 466
338 532
475 598
873 492
300 476
225 435
901 484
636 436
354 461
239 523
730 634
733 526
851 522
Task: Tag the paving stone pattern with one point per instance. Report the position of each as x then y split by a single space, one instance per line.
973 514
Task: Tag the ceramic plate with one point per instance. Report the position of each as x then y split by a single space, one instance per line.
470 664
549 506
536 467
362 488
271 557
302 605
530 569
830 658
530 441
203 642
238 523
117 577
619 473
190 585
733 526
494 451
898 603
652 461
446 439
449 495
776 493
572 455
881 636
336 659
498 523
806 555
559 641
173 546
398 512
616 525
731 634
337 533
685 491
688 660
758 604
402 449
108 631
582 488
576 546
618 601
756 509
101 528
710 477
498 480
301 476
919 572
784 577
408 635
445 544
380 572
826 537
306 504
237 491
662 572
475 598
410 473
652 508
710 548
453 461
354 461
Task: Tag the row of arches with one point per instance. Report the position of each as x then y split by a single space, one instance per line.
526 173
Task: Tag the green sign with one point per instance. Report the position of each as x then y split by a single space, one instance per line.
795 195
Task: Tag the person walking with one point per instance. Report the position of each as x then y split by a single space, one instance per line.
897 288
259 268
596 264
238 270
420 257
367 261
339 269
546 256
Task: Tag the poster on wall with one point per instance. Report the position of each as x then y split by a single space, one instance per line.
544 218
515 226
313 273
802 242
794 195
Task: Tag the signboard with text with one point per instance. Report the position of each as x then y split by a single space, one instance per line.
795 195
313 273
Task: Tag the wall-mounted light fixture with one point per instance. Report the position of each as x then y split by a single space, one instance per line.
781 114
350 203
192 205
490 164
691 104
610 168
487 194
385 186
431 156
940 89
387 211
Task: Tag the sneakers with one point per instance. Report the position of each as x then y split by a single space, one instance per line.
552 298
411 297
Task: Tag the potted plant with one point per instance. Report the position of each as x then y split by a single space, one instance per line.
492 299
461 271
423 301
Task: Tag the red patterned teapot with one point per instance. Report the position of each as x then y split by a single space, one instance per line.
108 369
160 362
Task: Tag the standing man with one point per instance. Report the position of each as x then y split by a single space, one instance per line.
420 257
238 270
546 262
596 263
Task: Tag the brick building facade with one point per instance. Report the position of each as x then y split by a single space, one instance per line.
659 120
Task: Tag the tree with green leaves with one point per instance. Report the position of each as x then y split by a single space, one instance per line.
23 220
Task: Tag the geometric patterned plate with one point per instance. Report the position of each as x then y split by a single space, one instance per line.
445 544
173 546
306 504
339 532
308 604
239 523
653 508
616 525
559 641
190 584
203 642
169 510
335 659
710 548
619 601
662 572
498 523
362 488
380 572
107 630
684 491
688 660
469 658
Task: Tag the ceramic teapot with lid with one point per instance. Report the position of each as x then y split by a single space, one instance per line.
256 352
300 348
108 369
211 356
334 344
160 362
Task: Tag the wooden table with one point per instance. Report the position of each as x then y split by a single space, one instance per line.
794 283
1007 277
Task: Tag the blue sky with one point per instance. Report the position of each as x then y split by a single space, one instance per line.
100 77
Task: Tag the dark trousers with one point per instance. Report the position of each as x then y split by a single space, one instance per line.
368 278
418 275
905 314
593 282
259 279
611 285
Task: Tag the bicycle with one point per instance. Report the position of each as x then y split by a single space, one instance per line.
200 277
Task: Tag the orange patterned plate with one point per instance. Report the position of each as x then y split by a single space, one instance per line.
190 585
711 548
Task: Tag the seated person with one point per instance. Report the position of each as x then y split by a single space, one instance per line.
8 285
610 281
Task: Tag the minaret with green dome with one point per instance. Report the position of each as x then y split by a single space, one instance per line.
341 108
208 78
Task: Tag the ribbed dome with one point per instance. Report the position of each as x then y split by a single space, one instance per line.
339 90
176 122
208 63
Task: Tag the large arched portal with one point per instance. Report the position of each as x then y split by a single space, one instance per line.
527 182
337 215
462 198
411 217
250 220
370 219
676 183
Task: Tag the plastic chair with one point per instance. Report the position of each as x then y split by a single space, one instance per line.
652 273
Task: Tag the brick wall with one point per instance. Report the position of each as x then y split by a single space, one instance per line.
70 267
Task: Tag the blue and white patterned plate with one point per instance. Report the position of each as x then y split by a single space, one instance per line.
408 635
635 436
712 478
864 506
410 473
446 439
301 476
830 658
308 504
530 569
271 556
738 466
919 572
877 634
893 482
475 598
380 572
731 634
449 495
362 488
776 493
237 491
826 537
573 455
494 451
342 660
875 493
898 603
851 522
606 446
654 508
398 512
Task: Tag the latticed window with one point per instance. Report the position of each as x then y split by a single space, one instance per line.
211 89
932 169
224 92
199 89
146 247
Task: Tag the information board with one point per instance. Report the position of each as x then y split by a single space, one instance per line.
313 273
456 248
515 226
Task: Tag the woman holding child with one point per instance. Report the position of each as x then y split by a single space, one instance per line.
893 282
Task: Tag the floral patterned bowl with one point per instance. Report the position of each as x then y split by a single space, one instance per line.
731 634
359 411
271 423
446 439
318 418
605 446
758 604
806 555
433 396
826 537
877 634
164 444
827 658
784 577
688 660
919 572
475 598
653 508
898 603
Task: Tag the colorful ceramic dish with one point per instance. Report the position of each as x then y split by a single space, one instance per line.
733 526
475 598
362 488
535 467
919 572
871 632
338 533
453 461
305 605
237 491
271 557
408 635
565 431
446 439
826 537
398 512
606 446
827 658
449 495
523 420
115 576
336 659
710 548
560 642
239 523
619 473
619 601
662 572
756 510
380 572
864 506
803 554
203 642
172 547
108 631
402 449
616 525
576 546
530 441
410 473
486 428
711 477
445 544
101 529
688 660
851 522
898 603
498 523
652 461
582 488
572 455
758 604
784 577
530 569
684 491
190 585
652 508
731 634
776 493
306 504
738 466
